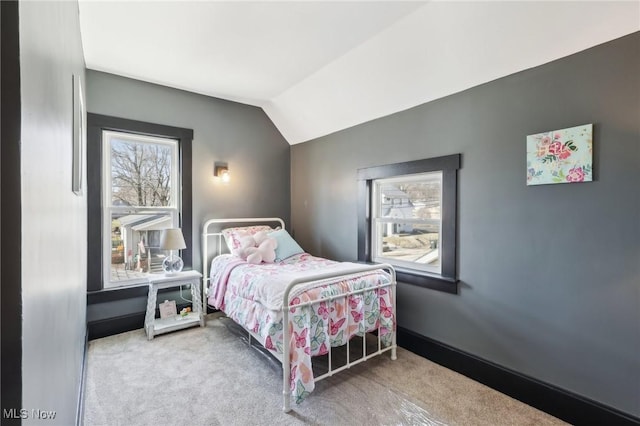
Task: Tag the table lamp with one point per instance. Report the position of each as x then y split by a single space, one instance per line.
172 239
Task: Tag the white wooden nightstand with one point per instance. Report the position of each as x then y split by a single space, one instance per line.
154 326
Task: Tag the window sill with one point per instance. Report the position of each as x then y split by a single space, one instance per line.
130 291
426 280
123 284
117 293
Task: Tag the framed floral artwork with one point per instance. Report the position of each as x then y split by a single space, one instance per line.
560 156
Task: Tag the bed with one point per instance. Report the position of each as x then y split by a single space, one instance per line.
323 303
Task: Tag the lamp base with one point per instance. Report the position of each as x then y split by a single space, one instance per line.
172 264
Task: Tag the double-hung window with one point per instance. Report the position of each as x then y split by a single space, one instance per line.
139 183
407 217
141 198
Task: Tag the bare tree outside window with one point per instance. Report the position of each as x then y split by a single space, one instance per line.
141 174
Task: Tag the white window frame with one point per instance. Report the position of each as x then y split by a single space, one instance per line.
108 209
378 220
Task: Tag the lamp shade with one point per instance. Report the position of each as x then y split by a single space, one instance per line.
172 239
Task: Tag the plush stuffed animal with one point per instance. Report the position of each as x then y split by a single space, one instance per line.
257 248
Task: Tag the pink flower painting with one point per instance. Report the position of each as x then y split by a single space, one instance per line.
560 156
575 175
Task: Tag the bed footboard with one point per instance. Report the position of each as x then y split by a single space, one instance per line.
287 306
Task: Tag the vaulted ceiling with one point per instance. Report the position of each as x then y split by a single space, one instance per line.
317 67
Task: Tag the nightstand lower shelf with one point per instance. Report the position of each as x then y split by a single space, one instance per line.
166 325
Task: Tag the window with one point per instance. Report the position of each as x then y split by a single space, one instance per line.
407 217
139 183
406 213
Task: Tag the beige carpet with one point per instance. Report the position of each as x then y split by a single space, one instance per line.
210 376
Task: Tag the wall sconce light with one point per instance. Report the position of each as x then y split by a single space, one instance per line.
221 170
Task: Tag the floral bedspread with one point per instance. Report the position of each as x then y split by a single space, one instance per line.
245 293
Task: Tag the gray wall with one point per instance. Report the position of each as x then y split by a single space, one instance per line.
241 135
550 275
54 243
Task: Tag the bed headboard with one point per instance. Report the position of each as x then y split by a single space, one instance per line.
213 228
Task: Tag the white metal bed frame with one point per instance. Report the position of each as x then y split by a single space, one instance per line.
285 357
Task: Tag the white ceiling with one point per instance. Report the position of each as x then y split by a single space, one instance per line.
317 67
